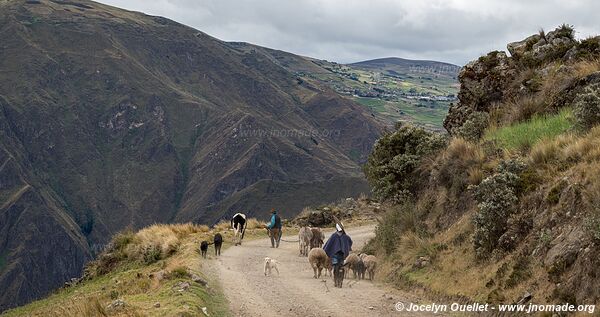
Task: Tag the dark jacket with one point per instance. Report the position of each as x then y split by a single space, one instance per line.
338 242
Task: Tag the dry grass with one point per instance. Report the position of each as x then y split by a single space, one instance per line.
524 109
586 148
165 238
253 223
461 163
86 308
222 225
586 68
567 149
550 151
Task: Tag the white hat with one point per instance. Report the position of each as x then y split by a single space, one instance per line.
338 227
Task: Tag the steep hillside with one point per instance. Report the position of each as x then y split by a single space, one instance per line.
156 271
506 208
111 118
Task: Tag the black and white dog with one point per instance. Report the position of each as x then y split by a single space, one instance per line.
238 223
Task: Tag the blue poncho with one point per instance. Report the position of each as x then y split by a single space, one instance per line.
338 243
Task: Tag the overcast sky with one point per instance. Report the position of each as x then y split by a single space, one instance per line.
345 31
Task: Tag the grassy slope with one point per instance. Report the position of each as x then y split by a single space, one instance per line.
138 285
528 133
557 209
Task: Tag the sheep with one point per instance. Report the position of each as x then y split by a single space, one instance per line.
304 239
350 263
318 260
318 238
362 256
370 262
329 267
359 269
218 241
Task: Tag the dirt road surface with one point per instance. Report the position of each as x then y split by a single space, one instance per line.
295 292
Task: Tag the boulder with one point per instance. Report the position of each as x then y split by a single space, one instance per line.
520 47
116 304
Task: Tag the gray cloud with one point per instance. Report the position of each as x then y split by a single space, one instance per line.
352 30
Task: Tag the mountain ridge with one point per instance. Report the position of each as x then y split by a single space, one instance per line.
118 119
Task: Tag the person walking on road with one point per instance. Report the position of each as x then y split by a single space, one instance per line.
274 228
338 247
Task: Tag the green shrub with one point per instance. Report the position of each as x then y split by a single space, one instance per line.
396 222
589 48
496 200
474 127
528 133
566 30
179 273
394 159
151 254
587 107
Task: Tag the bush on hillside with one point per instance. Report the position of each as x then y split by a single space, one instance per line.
474 128
396 222
395 158
587 107
496 200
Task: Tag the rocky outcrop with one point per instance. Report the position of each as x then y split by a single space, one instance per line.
493 79
483 82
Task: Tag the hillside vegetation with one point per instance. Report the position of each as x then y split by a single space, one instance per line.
509 202
156 271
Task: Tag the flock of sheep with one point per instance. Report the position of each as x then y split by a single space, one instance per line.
310 242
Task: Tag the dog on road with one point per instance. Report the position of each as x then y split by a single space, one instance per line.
271 264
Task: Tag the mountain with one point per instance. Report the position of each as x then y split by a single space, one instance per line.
401 65
113 119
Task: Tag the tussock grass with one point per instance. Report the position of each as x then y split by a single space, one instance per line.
525 135
222 225
586 67
254 223
568 149
462 163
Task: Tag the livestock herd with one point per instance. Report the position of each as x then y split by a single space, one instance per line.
310 241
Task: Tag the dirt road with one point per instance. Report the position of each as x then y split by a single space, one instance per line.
295 292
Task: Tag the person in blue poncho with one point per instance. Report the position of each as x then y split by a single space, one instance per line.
338 247
274 228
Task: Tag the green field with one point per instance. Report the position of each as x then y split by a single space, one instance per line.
408 111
